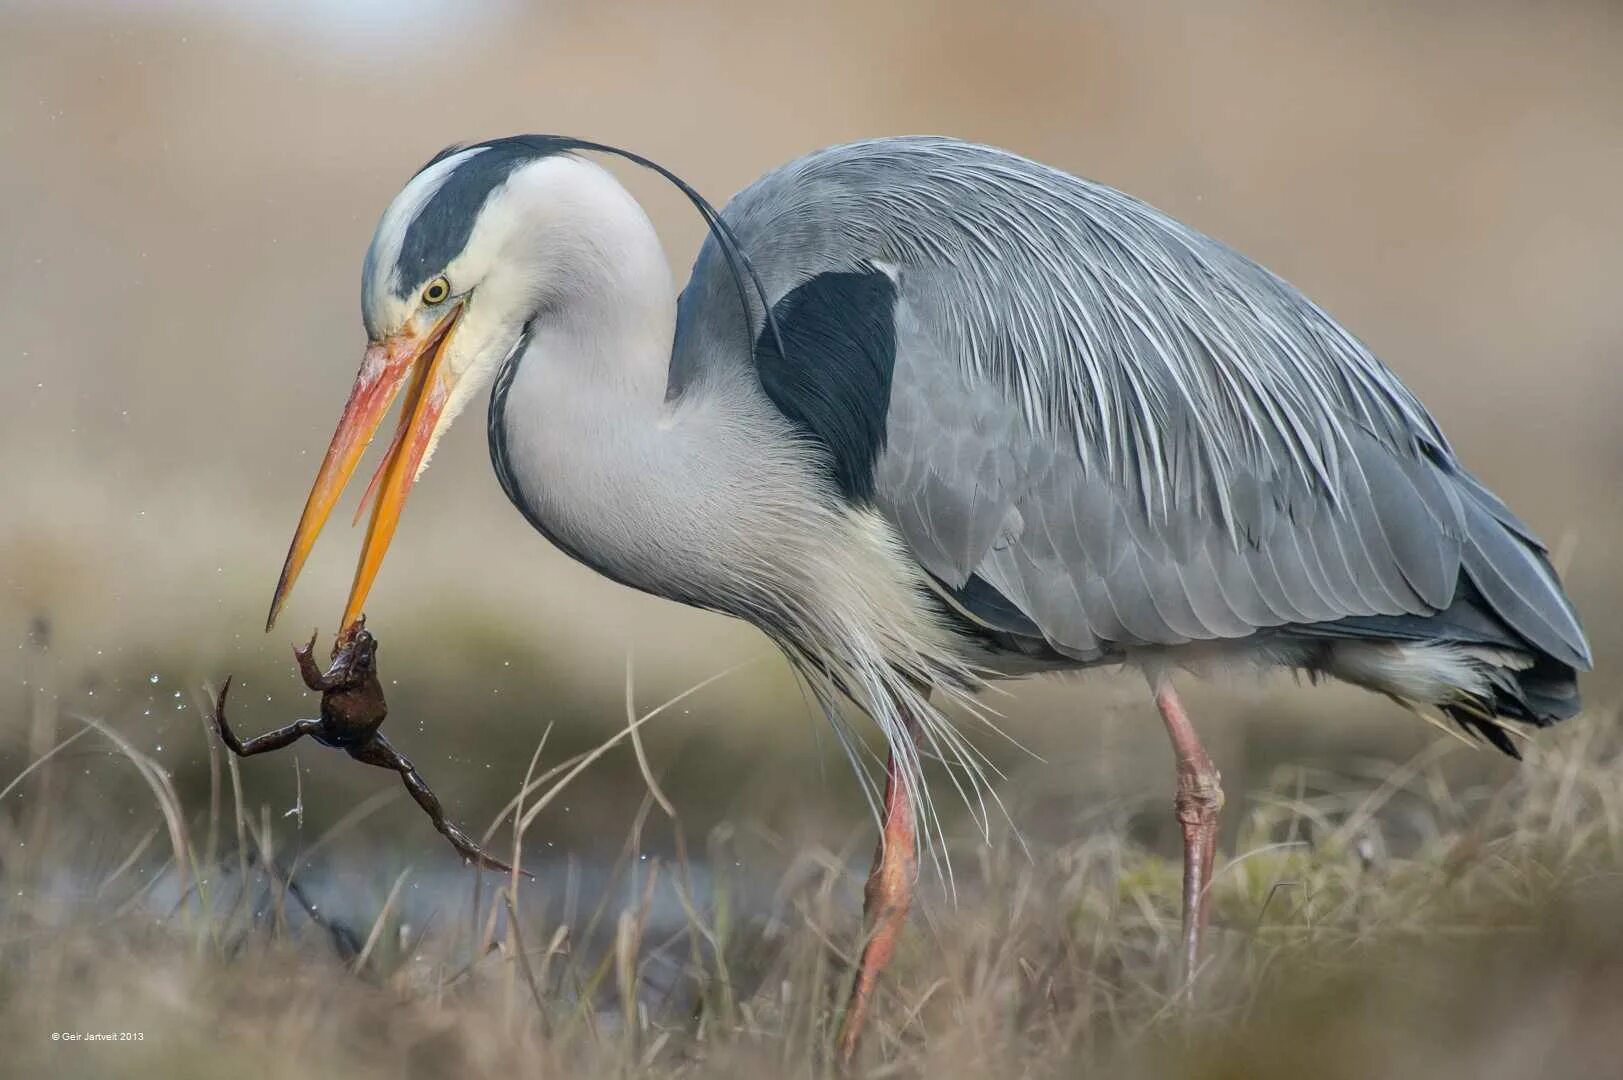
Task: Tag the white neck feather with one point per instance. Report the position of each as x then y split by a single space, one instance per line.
650 491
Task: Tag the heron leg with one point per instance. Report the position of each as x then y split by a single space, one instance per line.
380 751
886 900
1199 802
259 744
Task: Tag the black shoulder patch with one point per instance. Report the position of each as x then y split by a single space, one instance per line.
441 228
840 333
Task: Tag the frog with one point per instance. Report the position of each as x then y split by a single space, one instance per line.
352 712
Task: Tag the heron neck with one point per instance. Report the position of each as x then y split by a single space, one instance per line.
710 498
608 332
588 447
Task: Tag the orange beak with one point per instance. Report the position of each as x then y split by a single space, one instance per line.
386 368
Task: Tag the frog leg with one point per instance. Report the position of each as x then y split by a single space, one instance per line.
271 740
380 752
312 675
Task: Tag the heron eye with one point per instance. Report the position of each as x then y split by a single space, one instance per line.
437 291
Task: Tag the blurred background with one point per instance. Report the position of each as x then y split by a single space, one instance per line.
187 188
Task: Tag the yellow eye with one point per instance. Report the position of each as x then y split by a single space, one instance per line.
437 291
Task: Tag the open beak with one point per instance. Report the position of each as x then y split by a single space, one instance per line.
387 367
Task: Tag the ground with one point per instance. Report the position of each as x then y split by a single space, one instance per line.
1403 926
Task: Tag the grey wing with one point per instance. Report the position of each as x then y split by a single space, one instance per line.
994 509
1107 426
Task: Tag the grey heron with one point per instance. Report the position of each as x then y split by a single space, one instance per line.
929 413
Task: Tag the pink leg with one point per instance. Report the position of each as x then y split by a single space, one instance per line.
1199 801
888 896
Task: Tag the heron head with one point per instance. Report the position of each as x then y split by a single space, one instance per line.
460 263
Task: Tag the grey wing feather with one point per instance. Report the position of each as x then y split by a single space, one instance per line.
1130 432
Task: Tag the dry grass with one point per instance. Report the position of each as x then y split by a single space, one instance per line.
1396 928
